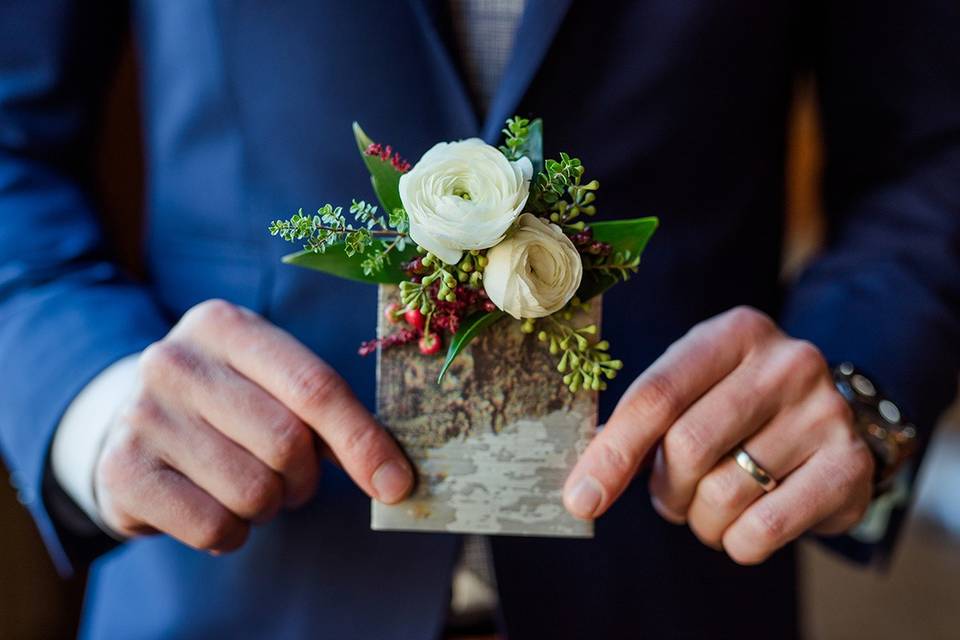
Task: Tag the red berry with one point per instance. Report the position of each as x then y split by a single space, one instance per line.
415 319
393 312
429 344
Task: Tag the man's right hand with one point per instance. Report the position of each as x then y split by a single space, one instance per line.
220 433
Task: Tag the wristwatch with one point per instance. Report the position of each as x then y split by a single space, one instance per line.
892 438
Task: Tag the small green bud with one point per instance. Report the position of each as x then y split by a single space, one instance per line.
542 336
590 329
562 365
482 261
554 347
427 260
616 365
603 345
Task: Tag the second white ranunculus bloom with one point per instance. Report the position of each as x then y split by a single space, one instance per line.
535 271
463 195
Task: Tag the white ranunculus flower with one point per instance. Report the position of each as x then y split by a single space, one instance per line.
534 271
463 195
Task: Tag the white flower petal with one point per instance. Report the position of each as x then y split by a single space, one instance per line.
534 272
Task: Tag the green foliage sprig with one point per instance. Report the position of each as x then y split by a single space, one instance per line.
620 264
557 191
584 363
416 295
515 137
373 238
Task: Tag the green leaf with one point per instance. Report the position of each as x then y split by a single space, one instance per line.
469 329
533 147
383 176
336 262
622 235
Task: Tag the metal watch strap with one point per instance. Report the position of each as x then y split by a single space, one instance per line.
891 437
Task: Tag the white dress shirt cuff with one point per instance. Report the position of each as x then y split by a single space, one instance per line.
79 437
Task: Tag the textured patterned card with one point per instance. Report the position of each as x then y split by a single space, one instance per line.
493 443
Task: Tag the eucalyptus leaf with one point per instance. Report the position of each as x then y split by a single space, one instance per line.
383 175
469 329
335 262
622 235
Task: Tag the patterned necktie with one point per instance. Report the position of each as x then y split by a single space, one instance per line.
485 30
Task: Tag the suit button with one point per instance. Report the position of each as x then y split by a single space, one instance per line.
25 497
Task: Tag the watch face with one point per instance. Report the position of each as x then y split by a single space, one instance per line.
892 440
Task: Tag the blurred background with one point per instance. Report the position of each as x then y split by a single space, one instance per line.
917 597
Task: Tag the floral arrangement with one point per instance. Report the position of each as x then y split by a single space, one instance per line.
473 233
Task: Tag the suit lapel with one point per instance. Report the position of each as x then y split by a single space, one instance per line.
538 26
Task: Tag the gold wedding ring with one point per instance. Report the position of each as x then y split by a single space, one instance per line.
758 473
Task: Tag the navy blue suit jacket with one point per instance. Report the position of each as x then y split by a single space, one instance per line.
678 108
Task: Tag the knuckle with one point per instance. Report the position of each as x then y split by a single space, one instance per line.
164 358
214 312
805 359
290 438
262 495
615 457
657 393
123 460
747 319
361 444
216 531
686 447
767 527
718 492
316 385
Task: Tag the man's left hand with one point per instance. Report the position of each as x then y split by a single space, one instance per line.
733 381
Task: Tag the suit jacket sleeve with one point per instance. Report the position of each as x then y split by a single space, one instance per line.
66 310
885 292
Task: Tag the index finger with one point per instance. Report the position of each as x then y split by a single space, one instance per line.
311 389
656 399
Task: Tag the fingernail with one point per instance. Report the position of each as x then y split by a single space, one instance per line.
666 513
583 500
392 481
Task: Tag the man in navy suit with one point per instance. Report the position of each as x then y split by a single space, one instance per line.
196 404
